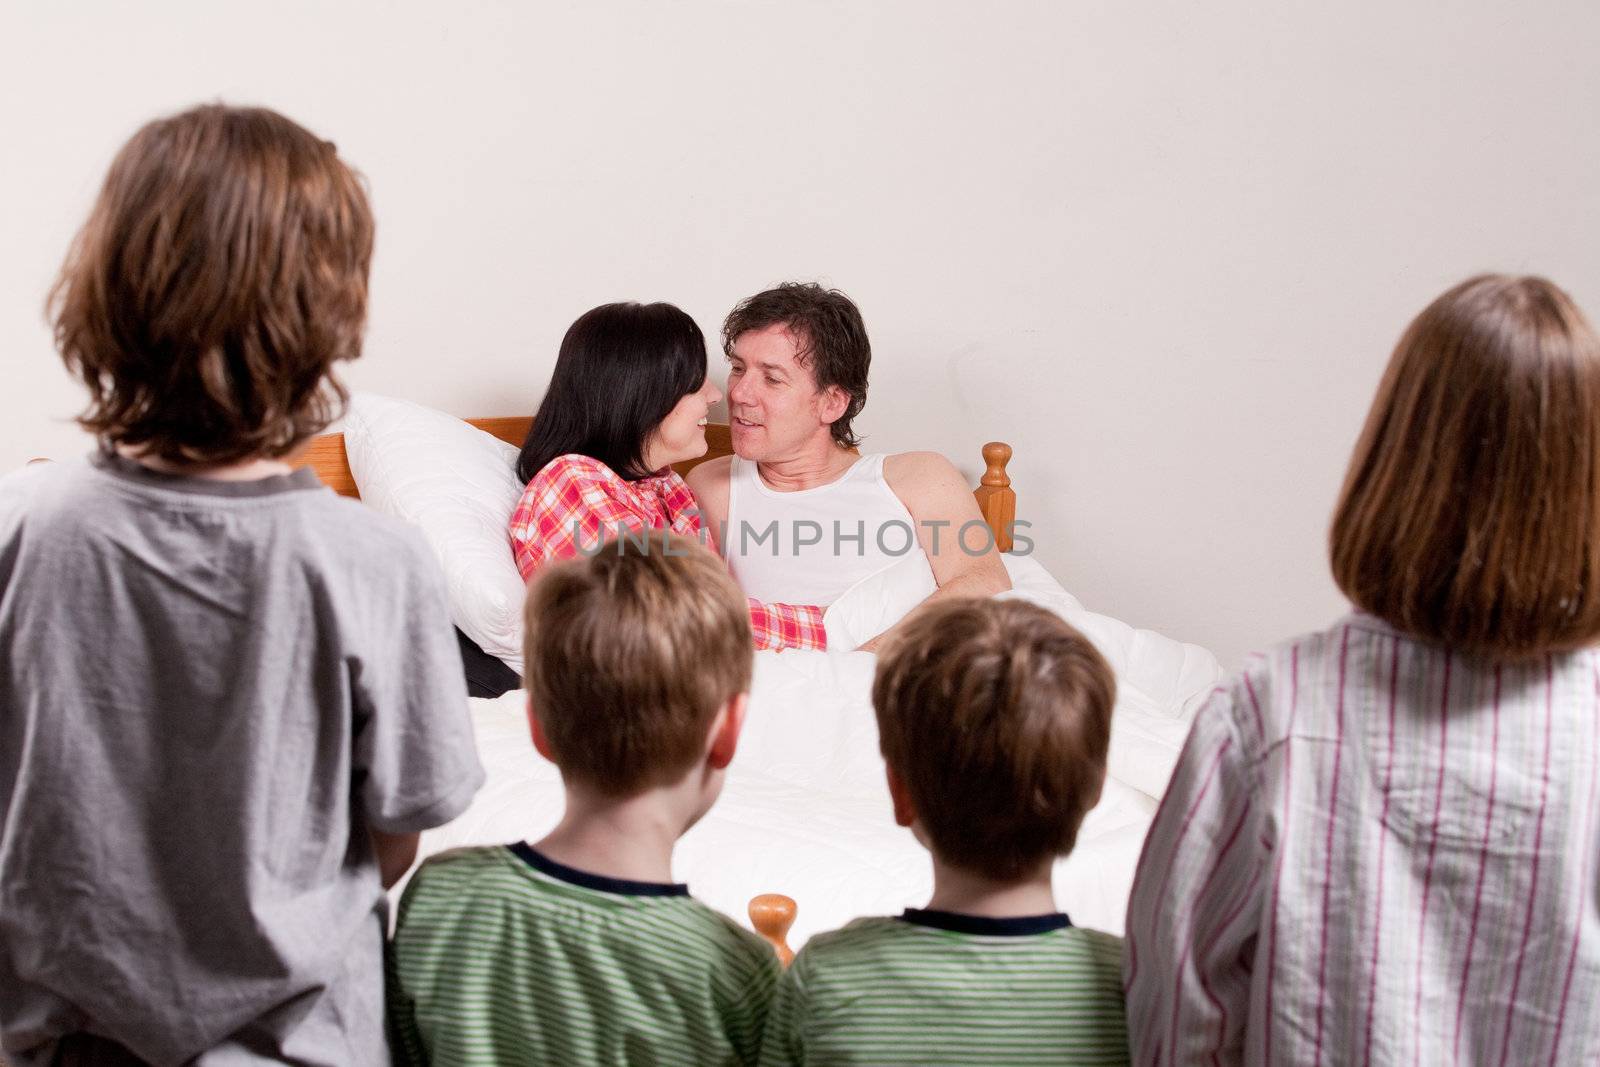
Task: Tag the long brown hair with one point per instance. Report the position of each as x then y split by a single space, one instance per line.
1470 515
221 273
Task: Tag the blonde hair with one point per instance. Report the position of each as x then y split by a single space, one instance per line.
996 717
1470 515
629 655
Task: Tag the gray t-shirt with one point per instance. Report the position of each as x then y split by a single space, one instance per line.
209 691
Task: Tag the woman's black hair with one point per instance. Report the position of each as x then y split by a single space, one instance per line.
622 368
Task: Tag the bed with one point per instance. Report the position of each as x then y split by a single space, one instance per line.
805 812
329 456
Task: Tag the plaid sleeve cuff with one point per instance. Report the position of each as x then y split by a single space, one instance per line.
780 626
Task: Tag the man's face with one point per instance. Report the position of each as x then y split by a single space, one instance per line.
775 409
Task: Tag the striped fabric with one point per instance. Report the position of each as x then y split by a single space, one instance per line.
575 502
1376 852
932 988
502 957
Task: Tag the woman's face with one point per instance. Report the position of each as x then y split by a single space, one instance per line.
682 434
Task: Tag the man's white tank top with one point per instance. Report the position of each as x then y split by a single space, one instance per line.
810 545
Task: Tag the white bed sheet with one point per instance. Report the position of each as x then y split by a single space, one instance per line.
805 812
835 850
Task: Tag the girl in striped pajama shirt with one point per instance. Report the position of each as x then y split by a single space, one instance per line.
1380 843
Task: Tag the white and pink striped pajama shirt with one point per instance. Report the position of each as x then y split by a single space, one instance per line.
1375 851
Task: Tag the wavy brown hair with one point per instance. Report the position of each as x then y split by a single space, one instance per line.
222 272
1470 515
996 717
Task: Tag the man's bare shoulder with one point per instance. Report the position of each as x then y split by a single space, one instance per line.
917 476
937 495
708 482
710 476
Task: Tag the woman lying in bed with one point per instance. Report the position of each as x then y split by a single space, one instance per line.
628 399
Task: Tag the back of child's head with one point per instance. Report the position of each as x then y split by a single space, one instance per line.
1470 515
629 654
221 273
995 716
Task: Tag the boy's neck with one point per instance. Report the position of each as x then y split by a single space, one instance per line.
967 893
628 838
245 470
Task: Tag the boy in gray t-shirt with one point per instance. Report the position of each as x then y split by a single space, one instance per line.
229 700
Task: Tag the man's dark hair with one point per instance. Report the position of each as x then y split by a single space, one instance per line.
831 337
622 368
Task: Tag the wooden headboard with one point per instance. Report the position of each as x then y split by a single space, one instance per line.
997 501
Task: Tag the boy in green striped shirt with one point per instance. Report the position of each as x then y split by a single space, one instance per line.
994 717
580 949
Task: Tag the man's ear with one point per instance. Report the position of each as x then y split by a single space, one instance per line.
904 813
832 403
541 743
725 732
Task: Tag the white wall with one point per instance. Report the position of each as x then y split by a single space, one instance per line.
1161 248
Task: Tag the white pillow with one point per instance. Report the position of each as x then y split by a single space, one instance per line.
458 485
878 601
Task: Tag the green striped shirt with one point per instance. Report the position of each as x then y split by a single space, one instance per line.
936 988
504 957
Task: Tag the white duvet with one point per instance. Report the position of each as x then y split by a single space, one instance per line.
805 812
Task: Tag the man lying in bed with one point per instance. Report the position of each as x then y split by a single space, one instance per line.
801 516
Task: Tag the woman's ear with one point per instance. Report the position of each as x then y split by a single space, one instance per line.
904 813
541 743
725 732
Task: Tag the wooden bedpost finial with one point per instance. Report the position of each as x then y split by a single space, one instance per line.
996 454
772 914
997 501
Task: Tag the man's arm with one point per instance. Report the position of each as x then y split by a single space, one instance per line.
709 483
959 543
